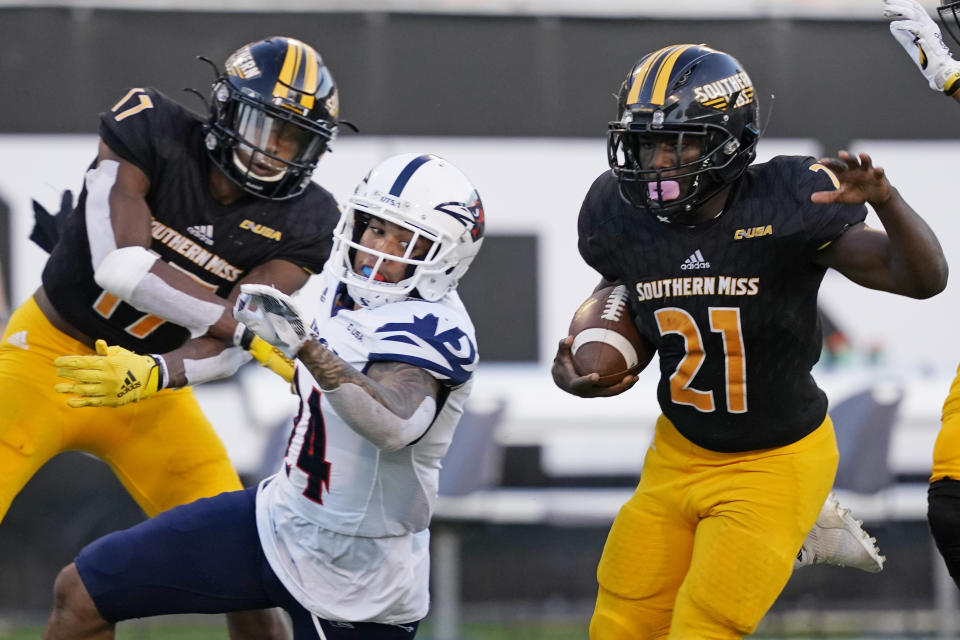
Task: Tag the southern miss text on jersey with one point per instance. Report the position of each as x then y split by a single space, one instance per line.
216 244
366 509
731 304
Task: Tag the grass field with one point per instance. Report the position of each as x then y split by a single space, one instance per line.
157 630
154 630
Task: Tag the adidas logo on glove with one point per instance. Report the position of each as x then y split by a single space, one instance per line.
129 384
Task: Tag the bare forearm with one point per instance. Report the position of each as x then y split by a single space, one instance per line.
916 262
399 388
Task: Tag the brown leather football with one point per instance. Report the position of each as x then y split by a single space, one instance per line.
605 339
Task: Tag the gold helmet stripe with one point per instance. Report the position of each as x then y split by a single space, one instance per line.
301 63
640 76
663 74
311 69
290 62
661 64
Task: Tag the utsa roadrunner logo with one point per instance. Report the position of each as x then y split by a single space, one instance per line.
469 214
130 383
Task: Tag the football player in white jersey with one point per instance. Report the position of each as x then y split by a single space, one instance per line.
338 537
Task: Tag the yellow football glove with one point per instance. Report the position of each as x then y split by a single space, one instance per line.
268 355
113 377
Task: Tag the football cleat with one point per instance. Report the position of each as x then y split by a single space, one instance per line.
839 539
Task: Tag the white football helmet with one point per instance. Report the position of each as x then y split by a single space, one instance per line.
428 196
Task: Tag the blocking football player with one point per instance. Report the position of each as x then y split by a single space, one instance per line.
175 213
338 537
920 37
724 260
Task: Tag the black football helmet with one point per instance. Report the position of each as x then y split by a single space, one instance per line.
948 11
683 96
272 115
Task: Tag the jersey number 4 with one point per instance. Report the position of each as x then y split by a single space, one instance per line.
313 451
726 322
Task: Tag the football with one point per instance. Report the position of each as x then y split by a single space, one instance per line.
605 339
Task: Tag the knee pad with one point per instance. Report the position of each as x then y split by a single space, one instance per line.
732 589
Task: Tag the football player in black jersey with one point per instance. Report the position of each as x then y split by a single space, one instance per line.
176 212
920 38
724 260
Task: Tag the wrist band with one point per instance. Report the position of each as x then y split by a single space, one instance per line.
163 376
243 338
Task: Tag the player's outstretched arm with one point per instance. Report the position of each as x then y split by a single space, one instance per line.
121 234
904 257
115 376
920 37
391 406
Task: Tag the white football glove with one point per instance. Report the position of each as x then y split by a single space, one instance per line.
920 37
272 315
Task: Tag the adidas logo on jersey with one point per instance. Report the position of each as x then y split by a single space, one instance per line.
19 339
203 232
695 261
129 384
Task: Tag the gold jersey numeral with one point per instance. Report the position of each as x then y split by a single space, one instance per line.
726 322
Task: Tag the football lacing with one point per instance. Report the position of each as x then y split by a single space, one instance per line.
615 304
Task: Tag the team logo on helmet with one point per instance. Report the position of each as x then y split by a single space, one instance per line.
718 94
469 214
242 64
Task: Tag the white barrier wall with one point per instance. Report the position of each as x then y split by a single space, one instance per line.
536 186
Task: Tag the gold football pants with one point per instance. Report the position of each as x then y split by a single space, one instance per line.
163 450
707 542
946 450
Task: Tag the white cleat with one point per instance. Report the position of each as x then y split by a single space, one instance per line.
838 539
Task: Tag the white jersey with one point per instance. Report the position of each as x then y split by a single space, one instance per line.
344 523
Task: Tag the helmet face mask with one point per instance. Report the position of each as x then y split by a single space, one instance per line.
694 104
949 11
273 114
437 212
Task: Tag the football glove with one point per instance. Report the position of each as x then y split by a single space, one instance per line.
920 37
272 315
112 378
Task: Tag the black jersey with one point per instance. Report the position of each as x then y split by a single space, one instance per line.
216 244
731 304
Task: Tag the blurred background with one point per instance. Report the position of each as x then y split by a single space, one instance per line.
518 93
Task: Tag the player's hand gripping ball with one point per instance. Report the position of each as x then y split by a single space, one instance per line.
605 339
